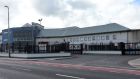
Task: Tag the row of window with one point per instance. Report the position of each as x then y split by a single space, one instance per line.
22 39
91 38
22 34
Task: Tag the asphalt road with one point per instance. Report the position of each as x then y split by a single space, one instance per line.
96 60
20 69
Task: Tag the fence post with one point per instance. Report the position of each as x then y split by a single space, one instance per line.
81 48
122 47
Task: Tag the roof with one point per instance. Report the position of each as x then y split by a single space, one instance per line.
70 31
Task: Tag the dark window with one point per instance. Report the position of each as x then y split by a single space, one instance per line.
93 37
114 37
85 38
107 37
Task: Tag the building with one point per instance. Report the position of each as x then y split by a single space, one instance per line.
0 41
21 35
0 38
35 34
109 33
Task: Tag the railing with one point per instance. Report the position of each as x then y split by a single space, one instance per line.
125 48
102 47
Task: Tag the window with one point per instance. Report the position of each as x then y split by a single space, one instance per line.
70 39
5 32
81 39
77 39
97 37
85 38
74 39
114 37
102 37
93 38
107 37
89 38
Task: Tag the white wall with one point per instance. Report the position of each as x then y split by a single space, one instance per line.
134 36
88 39
99 38
50 40
36 55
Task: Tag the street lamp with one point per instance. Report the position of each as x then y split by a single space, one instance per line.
40 20
8 32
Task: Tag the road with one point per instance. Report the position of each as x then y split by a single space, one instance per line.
27 69
96 60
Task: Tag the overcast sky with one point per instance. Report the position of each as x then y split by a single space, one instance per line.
66 13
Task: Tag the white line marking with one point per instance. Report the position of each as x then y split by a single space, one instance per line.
69 76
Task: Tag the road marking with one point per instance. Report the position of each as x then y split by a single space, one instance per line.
68 76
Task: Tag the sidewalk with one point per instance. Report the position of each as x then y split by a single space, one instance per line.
35 59
15 59
135 63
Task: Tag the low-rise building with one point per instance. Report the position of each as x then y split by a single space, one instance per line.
35 34
0 38
109 33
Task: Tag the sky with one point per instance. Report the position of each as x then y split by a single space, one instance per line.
67 13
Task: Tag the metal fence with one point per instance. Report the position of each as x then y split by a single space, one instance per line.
132 48
35 48
102 47
125 48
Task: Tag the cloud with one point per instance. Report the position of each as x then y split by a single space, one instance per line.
89 12
52 7
80 4
65 13
71 12
14 10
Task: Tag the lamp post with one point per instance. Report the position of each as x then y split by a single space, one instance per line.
40 20
32 39
8 33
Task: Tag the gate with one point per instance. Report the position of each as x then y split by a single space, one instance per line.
76 48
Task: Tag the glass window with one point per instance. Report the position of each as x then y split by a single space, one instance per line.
81 38
102 37
85 38
97 37
114 37
70 39
89 38
77 39
93 37
107 37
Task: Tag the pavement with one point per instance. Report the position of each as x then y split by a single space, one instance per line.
135 63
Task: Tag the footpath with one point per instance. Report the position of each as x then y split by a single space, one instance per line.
135 63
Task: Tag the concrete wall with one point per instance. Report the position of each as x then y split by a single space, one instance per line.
36 55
